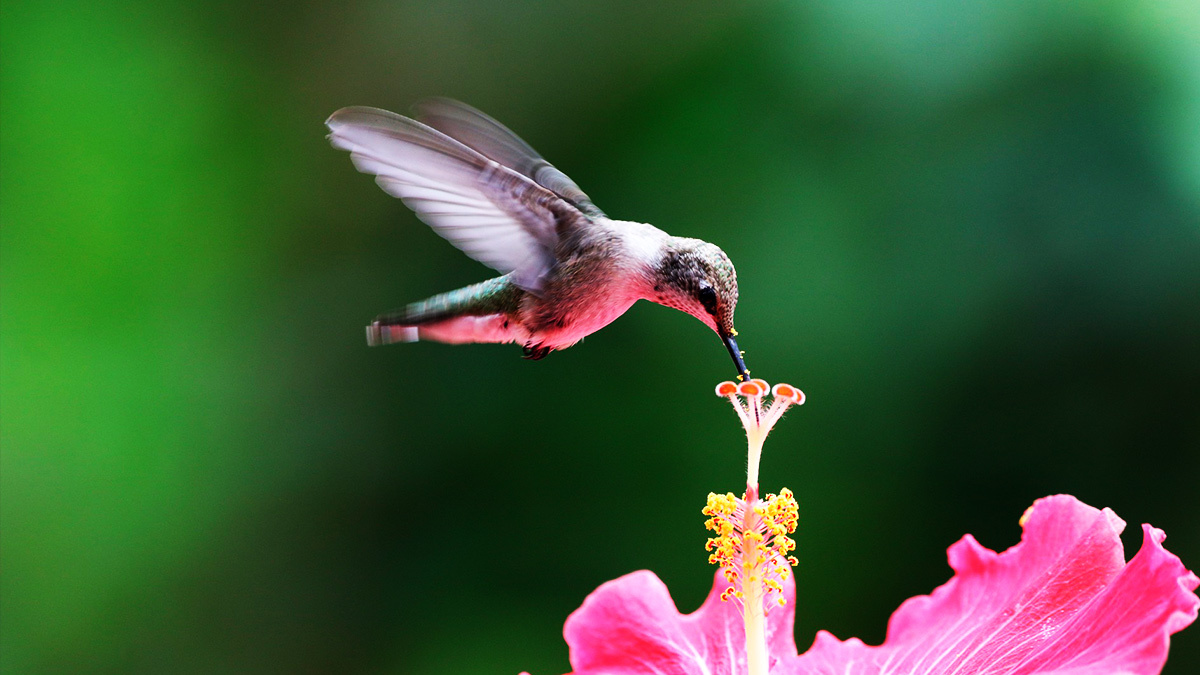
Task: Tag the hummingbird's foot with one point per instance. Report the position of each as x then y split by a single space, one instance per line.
535 352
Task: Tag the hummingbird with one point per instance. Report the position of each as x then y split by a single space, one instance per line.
567 269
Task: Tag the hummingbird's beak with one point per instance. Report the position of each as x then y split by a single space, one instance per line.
732 346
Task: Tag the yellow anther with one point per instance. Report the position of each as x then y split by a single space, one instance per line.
750 541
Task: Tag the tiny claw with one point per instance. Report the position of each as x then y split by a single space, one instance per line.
534 353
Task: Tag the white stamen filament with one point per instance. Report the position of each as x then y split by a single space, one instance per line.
753 455
753 611
755 621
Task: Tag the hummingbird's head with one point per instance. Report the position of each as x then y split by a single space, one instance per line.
698 278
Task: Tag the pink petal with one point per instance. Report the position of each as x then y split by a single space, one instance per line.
630 625
1061 601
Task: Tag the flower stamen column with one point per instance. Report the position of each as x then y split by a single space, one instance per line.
751 542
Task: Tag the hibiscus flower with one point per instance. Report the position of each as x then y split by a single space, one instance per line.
1062 601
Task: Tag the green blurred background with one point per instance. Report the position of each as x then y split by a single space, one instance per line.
969 231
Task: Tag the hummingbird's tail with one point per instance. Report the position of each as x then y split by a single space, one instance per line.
477 313
379 334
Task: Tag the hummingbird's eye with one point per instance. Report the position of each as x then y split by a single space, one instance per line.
708 297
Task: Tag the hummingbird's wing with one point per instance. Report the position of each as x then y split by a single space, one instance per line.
492 213
495 141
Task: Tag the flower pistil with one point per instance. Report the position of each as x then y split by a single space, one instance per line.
752 545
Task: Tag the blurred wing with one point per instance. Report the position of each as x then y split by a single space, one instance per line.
490 212
495 141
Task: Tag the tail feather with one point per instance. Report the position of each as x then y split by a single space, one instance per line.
379 334
472 314
454 331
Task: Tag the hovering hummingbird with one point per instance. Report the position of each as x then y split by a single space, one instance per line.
568 269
